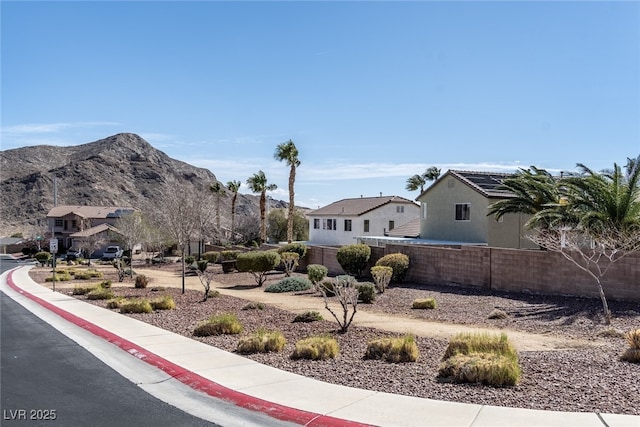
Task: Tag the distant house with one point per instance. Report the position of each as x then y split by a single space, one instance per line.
78 222
454 208
341 222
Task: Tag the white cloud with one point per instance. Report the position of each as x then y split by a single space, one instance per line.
31 128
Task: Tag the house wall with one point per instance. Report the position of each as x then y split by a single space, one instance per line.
68 227
514 270
509 232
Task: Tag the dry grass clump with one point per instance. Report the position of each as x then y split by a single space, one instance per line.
424 303
100 293
83 290
116 302
496 313
253 306
308 317
316 348
632 354
141 281
165 302
395 350
221 324
262 341
61 276
481 358
136 306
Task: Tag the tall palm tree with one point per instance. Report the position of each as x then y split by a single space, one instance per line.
218 190
419 181
288 152
258 184
234 187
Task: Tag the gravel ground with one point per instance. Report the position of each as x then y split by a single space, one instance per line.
589 379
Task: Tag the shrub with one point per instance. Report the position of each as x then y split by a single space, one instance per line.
395 350
83 290
212 256
100 293
214 293
632 354
165 302
229 255
289 261
189 259
353 258
262 341
136 306
253 306
202 265
481 358
42 257
496 313
327 288
366 292
381 276
86 275
398 262
316 348
219 325
258 263
116 302
290 284
347 294
316 273
59 277
297 247
105 284
424 303
141 281
308 317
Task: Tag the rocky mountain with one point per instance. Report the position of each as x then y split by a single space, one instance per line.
121 170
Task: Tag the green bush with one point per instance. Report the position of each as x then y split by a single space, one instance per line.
189 259
229 255
354 258
212 256
398 262
366 292
202 265
424 303
381 276
59 277
219 325
316 274
105 284
42 257
83 290
253 306
262 341
308 317
100 293
258 263
136 306
165 302
141 281
297 247
316 348
116 302
290 284
87 274
395 350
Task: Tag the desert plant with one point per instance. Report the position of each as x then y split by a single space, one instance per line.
42 257
83 290
86 275
221 324
366 292
165 302
346 292
398 262
105 284
353 258
297 247
253 306
496 313
229 255
136 306
327 288
316 274
212 256
116 302
206 277
214 293
289 261
316 348
58 277
262 341
632 353
395 350
424 303
381 276
189 259
308 317
258 263
290 284
141 281
100 293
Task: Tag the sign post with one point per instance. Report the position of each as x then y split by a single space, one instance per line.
53 248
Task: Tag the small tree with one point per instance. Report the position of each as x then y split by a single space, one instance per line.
205 276
354 258
290 262
258 263
316 274
381 276
347 295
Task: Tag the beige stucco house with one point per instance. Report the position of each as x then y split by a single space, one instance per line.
455 206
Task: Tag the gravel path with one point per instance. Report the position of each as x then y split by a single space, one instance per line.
574 366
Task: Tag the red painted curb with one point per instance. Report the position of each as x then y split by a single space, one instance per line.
191 379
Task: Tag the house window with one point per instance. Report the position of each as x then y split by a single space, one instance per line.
58 223
399 209
392 225
463 211
366 225
74 224
424 211
316 223
329 224
347 225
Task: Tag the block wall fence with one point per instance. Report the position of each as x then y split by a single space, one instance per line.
515 270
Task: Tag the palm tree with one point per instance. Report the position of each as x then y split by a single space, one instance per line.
234 187
419 181
258 184
287 151
218 190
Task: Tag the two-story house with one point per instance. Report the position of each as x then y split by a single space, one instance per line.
341 222
455 206
69 222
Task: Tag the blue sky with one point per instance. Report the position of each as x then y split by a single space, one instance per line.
370 92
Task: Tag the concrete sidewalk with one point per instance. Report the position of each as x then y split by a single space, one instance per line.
282 395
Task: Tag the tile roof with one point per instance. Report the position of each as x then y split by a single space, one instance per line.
486 183
94 230
89 211
358 206
410 229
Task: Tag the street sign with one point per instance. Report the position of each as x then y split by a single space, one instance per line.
53 246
